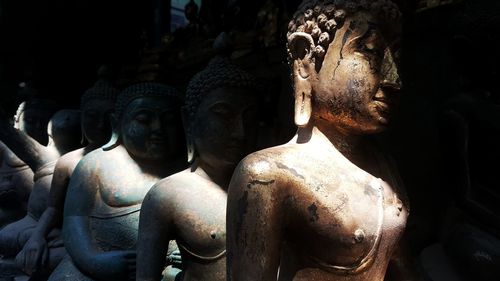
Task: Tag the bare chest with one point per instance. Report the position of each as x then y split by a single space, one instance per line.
342 220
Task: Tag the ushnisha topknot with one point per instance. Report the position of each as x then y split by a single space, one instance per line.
144 90
102 90
322 18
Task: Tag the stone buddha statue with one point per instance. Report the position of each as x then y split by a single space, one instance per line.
61 133
328 204
96 106
190 206
16 182
16 177
32 117
107 187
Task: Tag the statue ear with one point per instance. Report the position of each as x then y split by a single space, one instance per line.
189 141
301 48
115 135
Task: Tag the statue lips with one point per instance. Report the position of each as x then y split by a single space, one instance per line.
384 103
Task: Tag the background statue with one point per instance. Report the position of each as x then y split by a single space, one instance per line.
190 207
32 117
101 212
61 131
96 106
16 182
328 204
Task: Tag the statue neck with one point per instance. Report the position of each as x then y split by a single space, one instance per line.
344 141
220 175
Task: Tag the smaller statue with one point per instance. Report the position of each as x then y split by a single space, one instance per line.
61 132
16 182
33 116
105 193
190 207
96 106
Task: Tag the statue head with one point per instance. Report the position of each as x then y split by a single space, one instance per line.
344 57
220 113
147 121
64 130
97 104
32 117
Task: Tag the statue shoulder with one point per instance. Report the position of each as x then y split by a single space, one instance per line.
90 164
69 160
265 162
261 169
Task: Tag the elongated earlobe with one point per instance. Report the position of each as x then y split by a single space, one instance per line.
300 47
189 142
303 105
115 137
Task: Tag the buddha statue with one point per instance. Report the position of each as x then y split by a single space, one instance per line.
16 177
327 205
107 187
32 117
41 159
96 106
190 206
16 182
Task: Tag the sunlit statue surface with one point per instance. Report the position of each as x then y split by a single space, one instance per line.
327 205
101 212
190 207
97 104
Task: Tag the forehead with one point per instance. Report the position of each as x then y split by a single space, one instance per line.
360 22
98 103
37 112
151 103
233 95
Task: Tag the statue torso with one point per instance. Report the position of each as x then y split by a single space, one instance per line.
122 186
200 224
339 219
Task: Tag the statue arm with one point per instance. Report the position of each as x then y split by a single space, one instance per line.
76 232
35 252
253 227
155 233
26 148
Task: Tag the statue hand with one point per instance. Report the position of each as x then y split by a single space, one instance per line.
175 259
34 255
115 265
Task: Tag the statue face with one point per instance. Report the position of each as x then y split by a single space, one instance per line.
96 122
34 122
225 125
358 84
149 128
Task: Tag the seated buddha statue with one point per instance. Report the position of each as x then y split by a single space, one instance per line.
16 177
63 133
107 187
33 116
96 105
328 204
190 206
16 182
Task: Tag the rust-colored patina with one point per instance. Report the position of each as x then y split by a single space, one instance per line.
327 205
